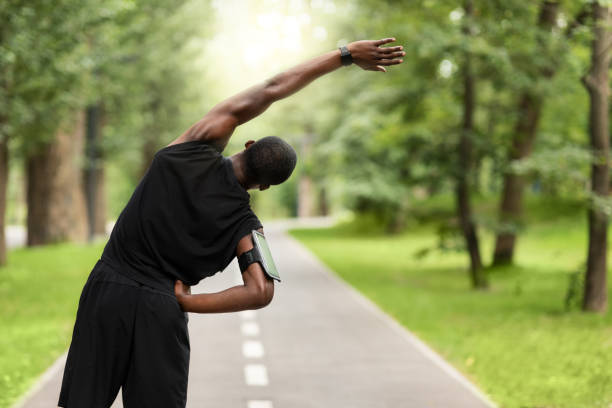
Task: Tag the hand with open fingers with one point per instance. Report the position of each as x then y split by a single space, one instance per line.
372 56
181 291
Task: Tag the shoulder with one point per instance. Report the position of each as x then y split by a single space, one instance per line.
242 237
195 145
192 153
194 160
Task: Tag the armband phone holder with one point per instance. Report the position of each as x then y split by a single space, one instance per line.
260 253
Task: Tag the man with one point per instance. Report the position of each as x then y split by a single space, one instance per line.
186 220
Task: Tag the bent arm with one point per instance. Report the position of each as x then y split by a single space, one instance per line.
218 125
256 292
234 299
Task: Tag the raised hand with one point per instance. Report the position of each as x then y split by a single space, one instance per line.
371 56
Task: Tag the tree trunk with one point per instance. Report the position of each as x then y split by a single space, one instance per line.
596 82
512 192
525 130
5 89
305 192
55 199
305 184
99 225
323 202
94 173
4 169
462 188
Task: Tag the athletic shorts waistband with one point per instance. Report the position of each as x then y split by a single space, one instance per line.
107 271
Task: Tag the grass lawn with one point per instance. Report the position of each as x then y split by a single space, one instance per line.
39 292
516 341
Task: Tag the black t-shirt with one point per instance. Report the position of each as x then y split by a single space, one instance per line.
184 219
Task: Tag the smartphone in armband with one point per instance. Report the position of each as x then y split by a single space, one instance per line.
260 253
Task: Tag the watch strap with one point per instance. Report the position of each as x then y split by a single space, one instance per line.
345 56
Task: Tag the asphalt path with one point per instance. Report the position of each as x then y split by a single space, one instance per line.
318 344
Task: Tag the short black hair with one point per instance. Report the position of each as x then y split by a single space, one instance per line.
270 161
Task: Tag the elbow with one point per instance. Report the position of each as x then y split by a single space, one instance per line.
263 294
272 89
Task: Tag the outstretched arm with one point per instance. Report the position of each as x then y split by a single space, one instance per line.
218 125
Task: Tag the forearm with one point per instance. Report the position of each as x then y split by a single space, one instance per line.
288 82
255 100
233 299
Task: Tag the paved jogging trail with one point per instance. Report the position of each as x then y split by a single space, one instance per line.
319 344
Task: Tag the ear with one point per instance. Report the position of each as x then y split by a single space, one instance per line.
263 187
248 144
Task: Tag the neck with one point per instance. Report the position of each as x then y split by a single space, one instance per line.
239 169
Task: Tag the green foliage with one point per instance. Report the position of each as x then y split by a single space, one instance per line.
395 137
145 73
378 140
42 49
155 68
130 57
563 171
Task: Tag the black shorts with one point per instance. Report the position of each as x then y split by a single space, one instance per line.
126 335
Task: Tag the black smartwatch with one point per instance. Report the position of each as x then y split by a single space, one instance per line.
345 56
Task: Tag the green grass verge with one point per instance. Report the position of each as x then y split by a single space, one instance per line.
516 341
39 293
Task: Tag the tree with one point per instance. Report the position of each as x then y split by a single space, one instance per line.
39 70
596 82
529 111
465 159
53 136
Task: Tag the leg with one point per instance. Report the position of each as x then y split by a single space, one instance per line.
99 353
159 366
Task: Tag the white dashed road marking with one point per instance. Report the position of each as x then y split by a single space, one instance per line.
259 404
256 374
248 314
249 328
252 349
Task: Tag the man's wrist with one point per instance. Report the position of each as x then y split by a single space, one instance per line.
346 57
185 302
